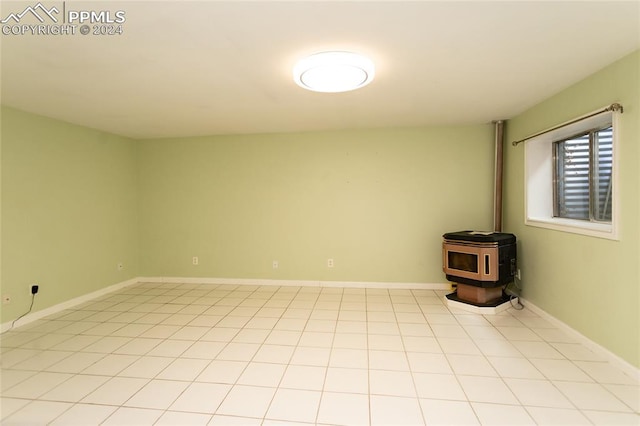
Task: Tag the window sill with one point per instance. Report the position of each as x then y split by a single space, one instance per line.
591 229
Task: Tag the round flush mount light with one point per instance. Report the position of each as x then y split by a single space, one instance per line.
333 72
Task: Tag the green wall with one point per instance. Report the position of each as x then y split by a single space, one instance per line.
591 284
69 210
377 202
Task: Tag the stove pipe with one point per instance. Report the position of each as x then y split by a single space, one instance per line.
497 189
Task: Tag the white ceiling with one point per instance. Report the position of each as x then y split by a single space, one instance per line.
200 68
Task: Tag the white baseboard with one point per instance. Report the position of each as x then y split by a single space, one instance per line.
614 359
67 304
297 283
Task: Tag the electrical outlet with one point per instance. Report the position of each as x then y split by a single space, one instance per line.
6 299
195 260
276 264
329 263
120 266
33 288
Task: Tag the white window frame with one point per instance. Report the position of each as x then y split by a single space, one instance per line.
538 181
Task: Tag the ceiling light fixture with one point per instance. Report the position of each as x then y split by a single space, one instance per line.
333 72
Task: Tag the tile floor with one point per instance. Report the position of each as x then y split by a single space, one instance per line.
178 354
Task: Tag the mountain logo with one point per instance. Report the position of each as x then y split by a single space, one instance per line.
39 11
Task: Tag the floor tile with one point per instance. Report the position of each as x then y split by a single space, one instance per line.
190 333
462 346
518 368
603 372
9 378
42 360
15 356
471 365
161 331
116 391
220 334
499 348
157 394
74 389
138 346
385 342
176 353
175 418
311 356
415 330
421 344
133 416
183 369
487 389
84 414
438 386
507 415
76 362
262 374
629 394
107 344
558 416
391 383
110 365
561 369
132 330
236 401
76 343
348 380
343 409
537 393
238 352
483 332
304 377
388 360
294 405
553 335
146 367
8 406
518 333
251 336
590 396
36 385
609 418
448 413
317 339
537 350
278 354
221 371
37 413
220 420
171 348
449 331
576 352
201 398
390 328
283 337
349 358
429 363
391 410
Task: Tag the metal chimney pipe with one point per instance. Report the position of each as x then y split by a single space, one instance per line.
497 190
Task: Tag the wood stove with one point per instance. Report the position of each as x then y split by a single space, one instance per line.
481 264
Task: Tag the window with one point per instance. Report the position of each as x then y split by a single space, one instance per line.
583 183
570 177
